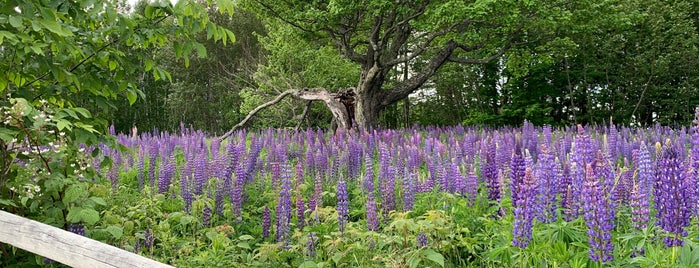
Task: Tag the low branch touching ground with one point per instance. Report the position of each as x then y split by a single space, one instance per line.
338 109
255 111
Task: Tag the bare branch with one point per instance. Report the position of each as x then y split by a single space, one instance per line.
404 88
255 111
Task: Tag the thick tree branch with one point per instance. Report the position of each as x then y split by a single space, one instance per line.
403 89
492 57
338 109
247 118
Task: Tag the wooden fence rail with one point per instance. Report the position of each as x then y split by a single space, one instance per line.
66 247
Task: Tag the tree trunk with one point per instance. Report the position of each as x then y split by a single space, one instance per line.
369 96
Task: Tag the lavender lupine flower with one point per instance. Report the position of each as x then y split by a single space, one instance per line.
409 191
200 165
206 216
276 174
167 169
694 156
388 185
284 210
579 158
113 176
77 228
368 174
548 186
489 173
672 196
149 239
421 239
646 173
266 222
471 186
639 203
236 194
599 217
342 205
372 218
517 174
300 209
141 167
524 209
152 162
186 193
311 244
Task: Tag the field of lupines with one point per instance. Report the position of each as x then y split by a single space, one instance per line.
439 197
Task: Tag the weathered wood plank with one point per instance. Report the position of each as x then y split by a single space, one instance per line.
66 247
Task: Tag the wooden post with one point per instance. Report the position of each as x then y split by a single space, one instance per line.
66 247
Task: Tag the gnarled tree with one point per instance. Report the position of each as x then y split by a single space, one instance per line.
381 35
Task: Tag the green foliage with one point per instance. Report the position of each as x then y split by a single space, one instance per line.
64 65
295 62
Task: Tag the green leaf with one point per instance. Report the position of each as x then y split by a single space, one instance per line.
131 96
245 237
63 124
54 27
434 256
74 214
308 264
82 111
73 193
7 135
112 65
243 245
89 216
116 231
98 200
16 21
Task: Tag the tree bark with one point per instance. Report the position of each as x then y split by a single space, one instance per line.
337 108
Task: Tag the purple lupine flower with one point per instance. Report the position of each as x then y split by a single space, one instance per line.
342 205
266 222
579 159
299 174
368 174
612 142
646 174
489 173
206 216
517 174
409 191
236 194
471 186
599 217
186 192
284 208
149 239
388 185
694 156
524 209
316 199
276 174
300 209
421 240
639 203
672 194
548 186
167 169
372 218
77 228
113 175
311 244
200 165
141 167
